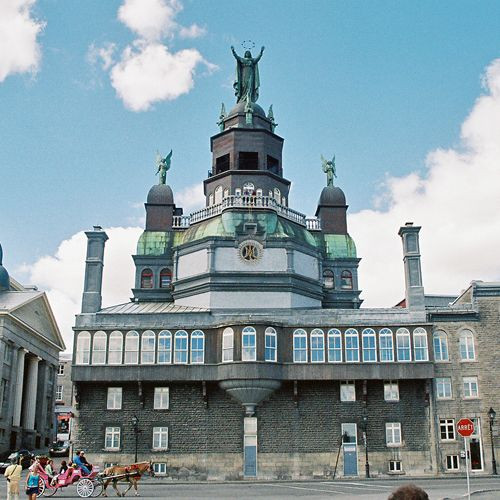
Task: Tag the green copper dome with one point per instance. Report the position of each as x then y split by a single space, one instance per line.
339 246
156 243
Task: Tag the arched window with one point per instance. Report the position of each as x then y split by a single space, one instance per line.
334 346
369 345
197 347
165 278
226 193
248 189
132 348
420 350
227 345
317 346
181 347
300 346
466 341
283 201
403 344
259 193
115 349
164 347
351 345
218 195
83 348
210 200
248 344
99 348
237 192
270 193
270 344
346 280
147 278
328 279
385 345
148 347
277 195
440 342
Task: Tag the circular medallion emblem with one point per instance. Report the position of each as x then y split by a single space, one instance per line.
250 251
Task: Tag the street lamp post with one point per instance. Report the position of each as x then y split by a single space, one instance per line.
135 425
492 414
365 437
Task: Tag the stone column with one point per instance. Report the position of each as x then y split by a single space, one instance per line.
29 403
16 418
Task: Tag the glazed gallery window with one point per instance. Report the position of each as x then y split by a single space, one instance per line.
328 279
147 278
447 429
161 398
83 348
403 344
299 346
160 438
227 345
181 347
385 345
132 348
440 342
317 346
420 350
391 390
270 344
443 388
369 345
467 346
347 391
197 347
114 401
115 348
148 345
165 278
334 346
248 344
351 345
112 438
393 434
99 348
346 280
470 386
164 355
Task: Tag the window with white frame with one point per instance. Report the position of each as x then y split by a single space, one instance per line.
443 388
317 346
447 429
60 370
164 355
334 346
160 438
403 344
385 345
466 341
393 433
351 345
227 345
369 345
160 468
270 344
161 398
115 348
99 348
112 438
197 347
114 401
300 346
83 348
148 345
391 390
440 342
181 347
452 462
471 390
420 350
132 348
248 344
59 392
395 466
347 391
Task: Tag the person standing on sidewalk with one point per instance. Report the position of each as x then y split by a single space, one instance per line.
32 480
13 475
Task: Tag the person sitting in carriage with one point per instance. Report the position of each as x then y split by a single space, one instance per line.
81 462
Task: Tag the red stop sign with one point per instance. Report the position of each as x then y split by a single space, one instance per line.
465 427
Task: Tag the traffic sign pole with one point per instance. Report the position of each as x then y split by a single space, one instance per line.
467 467
465 427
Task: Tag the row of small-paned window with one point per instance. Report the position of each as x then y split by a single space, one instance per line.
345 279
149 280
444 390
181 346
112 438
161 400
465 343
248 189
338 348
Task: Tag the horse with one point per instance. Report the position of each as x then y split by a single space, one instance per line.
129 473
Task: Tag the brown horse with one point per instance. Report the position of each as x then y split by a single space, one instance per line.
128 473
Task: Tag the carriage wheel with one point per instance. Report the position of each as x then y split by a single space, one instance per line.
85 487
98 486
50 492
41 487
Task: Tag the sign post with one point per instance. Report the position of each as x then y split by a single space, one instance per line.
465 427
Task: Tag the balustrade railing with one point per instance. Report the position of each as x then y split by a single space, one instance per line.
313 224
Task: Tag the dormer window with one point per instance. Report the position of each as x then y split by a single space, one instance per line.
346 280
165 278
147 278
248 160
328 279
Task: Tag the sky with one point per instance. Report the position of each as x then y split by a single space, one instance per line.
405 94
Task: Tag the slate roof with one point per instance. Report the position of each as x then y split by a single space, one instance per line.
150 308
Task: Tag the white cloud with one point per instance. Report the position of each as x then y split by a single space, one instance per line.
104 55
19 48
190 198
193 31
456 202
